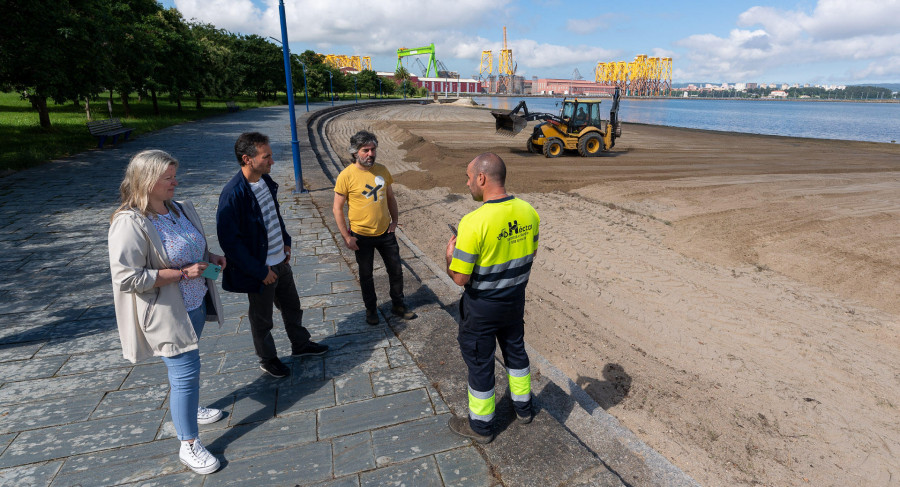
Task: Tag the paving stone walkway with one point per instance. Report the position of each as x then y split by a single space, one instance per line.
372 411
73 412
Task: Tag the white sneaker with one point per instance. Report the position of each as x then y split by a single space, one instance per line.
208 415
197 457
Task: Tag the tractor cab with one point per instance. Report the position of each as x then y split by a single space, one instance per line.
580 114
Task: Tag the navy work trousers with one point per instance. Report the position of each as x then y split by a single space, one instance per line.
484 323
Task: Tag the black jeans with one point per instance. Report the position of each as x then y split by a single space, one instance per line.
386 244
285 292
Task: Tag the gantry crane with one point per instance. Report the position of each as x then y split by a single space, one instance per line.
506 69
341 61
429 50
645 76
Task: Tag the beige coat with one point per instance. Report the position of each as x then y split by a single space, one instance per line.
152 320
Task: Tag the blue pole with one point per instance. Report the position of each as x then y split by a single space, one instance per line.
305 89
295 145
331 86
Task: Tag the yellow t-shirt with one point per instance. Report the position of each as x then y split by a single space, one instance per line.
366 193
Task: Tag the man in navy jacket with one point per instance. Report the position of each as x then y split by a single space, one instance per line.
258 249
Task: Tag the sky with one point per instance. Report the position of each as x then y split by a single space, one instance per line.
825 42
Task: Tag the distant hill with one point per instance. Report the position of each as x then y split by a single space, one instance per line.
890 86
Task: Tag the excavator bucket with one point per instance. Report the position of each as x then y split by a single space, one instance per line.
508 123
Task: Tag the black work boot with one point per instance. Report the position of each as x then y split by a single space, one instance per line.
462 427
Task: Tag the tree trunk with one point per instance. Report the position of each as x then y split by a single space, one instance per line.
178 100
199 106
39 103
87 108
126 105
155 103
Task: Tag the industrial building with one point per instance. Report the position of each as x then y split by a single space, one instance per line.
570 87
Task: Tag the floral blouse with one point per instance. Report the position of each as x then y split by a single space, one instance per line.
184 246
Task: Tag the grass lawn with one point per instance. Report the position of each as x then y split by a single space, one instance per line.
23 143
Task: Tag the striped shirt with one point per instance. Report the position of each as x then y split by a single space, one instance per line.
270 217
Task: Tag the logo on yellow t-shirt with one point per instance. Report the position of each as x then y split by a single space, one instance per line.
372 192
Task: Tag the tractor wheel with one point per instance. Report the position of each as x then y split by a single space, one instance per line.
534 149
553 147
591 145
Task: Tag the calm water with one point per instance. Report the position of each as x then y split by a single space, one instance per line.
875 122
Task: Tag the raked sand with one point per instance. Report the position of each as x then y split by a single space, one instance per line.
731 298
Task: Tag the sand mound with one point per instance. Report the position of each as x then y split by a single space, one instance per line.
730 298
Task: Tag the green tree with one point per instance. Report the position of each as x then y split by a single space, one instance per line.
55 49
261 65
176 56
368 81
223 67
129 38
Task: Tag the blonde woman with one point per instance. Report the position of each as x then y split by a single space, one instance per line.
157 255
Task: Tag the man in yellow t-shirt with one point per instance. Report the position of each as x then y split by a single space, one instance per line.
492 256
366 188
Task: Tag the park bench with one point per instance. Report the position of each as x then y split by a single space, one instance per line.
232 106
108 128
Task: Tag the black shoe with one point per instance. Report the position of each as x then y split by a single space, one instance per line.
403 312
525 419
372 316
311 348
275 368
461 427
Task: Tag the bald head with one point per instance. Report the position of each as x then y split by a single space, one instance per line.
492 167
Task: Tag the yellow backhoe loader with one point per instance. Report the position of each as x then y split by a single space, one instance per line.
577 127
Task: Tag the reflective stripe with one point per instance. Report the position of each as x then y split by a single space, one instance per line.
535 237
464 256
520 384
494 269
481 405
519 372
524 398
481 395
486 419
501 283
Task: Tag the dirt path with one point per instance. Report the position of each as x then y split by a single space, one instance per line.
730 298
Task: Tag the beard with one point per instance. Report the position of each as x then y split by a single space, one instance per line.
366 161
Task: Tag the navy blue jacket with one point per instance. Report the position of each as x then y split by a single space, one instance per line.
242 235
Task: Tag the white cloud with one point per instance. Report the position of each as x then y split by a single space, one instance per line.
886 69
378 29
369 28
780 39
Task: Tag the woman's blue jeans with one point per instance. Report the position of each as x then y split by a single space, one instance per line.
184 383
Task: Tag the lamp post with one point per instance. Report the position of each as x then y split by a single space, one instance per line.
404 89
305 87
295 145
331 86
379 88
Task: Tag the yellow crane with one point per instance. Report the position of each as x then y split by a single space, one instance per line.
507 69
339 61
645 76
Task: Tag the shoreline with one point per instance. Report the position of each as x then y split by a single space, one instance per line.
503 95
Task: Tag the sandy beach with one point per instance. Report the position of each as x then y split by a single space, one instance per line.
730 298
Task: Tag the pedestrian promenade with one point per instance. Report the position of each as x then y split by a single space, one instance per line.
372 411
